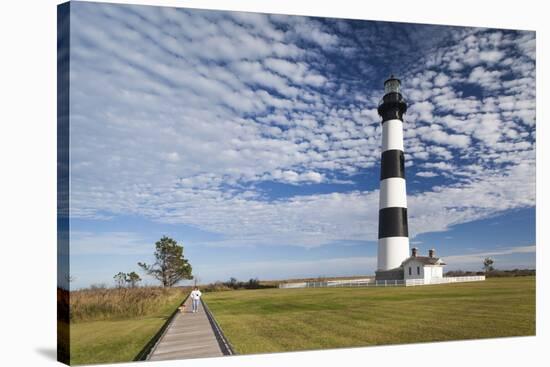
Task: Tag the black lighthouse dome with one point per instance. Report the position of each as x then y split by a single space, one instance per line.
392 105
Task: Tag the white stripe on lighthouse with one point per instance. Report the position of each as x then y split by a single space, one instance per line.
393 192
392 135
392 251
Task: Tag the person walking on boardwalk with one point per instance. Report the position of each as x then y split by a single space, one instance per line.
196 298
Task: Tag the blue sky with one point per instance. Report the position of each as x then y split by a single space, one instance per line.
254 141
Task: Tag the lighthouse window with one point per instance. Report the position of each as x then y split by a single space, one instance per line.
391 86
410 270
418 270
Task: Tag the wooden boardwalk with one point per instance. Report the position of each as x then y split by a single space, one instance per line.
189 335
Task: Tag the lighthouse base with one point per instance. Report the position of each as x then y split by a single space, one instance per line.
392 274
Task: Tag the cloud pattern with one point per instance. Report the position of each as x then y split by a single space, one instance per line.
183 116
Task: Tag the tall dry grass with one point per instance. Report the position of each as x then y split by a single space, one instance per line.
110 303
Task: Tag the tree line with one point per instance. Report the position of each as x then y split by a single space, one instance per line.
234 284
489 270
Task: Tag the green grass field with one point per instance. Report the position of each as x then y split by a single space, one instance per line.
277 320
119 339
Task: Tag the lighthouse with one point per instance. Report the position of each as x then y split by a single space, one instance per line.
393 233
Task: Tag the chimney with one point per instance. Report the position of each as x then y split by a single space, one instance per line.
431 253
413 251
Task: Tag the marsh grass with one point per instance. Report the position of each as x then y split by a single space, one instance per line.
117 304
114 325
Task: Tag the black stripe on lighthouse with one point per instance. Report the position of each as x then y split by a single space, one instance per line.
392 107
393 222
393 164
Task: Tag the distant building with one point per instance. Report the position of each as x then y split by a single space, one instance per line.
429 268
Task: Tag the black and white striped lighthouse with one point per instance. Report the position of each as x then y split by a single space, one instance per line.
393 233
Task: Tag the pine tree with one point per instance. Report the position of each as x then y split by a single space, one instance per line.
170 266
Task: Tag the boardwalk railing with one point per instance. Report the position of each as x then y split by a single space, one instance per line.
370 282
225 345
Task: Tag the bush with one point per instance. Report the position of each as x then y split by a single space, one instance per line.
462 273
233 284
493 273
216 287
510 273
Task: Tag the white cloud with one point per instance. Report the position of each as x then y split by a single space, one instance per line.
491 57
445 166
489 79
436 134
441 80
295 177
310 30
426 174
173 157
455 65
423 110
298 72
440 152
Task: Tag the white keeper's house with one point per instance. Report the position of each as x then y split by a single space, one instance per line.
428 268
